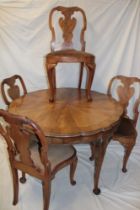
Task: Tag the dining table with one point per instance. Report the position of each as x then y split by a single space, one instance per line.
71 119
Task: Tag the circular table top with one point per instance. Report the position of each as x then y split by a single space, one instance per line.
71 115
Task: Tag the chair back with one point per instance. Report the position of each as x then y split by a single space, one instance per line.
18 132
65 20
12 88
127 91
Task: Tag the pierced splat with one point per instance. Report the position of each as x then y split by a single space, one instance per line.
13 90
18 142
125 93
67 25
22 141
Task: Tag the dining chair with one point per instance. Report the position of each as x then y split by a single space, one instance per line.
35 158
127 91
12 88
68 26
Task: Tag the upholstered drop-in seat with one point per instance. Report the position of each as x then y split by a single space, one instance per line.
68 55
56 154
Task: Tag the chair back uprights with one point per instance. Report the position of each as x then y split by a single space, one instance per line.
70 19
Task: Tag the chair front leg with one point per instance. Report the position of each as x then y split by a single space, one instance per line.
52 80
92 148
15 185
128 149
90 76
72 170
81 74
46 185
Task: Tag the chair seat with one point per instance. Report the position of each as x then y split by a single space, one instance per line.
70 55
125 129
56 155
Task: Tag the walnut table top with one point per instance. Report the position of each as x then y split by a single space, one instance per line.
71 114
